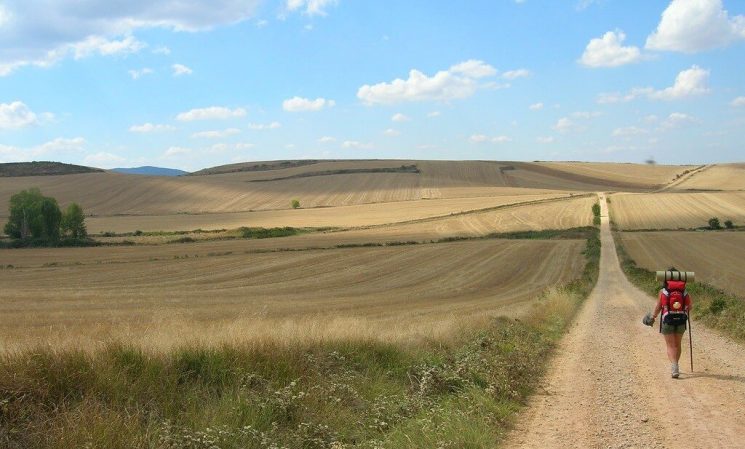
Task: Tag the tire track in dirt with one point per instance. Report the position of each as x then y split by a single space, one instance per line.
609 385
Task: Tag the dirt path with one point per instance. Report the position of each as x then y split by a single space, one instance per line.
684 178
609 385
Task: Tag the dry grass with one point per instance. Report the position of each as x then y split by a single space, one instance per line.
392 293
716 257
676 210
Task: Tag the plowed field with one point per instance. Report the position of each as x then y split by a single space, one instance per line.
716 257
387 293
676 210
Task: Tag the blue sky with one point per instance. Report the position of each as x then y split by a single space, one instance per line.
191 84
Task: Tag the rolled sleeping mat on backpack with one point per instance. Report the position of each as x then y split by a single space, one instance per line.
685 276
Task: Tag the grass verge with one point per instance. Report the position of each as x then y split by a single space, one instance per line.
712 306
458 393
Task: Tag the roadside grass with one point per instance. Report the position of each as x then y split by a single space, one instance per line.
460 392
712 306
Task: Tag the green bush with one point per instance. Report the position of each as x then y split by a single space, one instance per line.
596 210
714 223
265 233
295 204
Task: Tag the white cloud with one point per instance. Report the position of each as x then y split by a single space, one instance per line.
137 74
390 132
691 26
629 131
399 117
474 69
211 113
150 128
480 138
51 149
45 31
299 104
564 125
459 81
356 145
174 152
434 114
536 106
326 139
607 51
688 83
16 115
103 160
162 50
310 7
570 124
263 126
739 101
549 139
651 118
678 119
515 74
219 134
180 69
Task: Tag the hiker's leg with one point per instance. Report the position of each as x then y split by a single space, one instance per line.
673 352
678 340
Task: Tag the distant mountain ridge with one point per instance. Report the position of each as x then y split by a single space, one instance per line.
150 171
43 168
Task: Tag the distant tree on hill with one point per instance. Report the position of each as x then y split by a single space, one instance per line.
73 222
714 223
295 204
38 217
33 215
728 224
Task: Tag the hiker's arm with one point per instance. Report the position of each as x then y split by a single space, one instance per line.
657 309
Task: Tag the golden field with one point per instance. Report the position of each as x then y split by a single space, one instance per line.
679 210
311 285
716 257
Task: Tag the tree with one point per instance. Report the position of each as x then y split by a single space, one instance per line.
714 223
729 225
73 222
33 215
295 204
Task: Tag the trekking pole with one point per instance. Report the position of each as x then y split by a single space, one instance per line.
690 341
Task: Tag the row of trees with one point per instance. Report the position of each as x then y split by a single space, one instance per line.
35 216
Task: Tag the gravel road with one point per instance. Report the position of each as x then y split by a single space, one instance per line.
609 384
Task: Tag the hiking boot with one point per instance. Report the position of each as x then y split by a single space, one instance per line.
675 371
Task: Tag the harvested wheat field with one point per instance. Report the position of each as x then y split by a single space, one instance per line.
716 177
326 184
716 257
323 217
365 292
676 210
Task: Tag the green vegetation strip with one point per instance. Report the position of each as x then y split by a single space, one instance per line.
712 306
364 394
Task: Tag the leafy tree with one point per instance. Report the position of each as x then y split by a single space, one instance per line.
73 222
295 204
714 223
33 215
729 225
596 209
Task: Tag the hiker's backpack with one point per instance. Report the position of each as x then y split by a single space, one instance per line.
674 303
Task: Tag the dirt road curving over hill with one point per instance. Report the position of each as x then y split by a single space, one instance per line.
609 384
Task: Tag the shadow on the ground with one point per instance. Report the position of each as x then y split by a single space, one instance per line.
730 378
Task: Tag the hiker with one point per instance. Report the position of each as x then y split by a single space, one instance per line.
674 304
